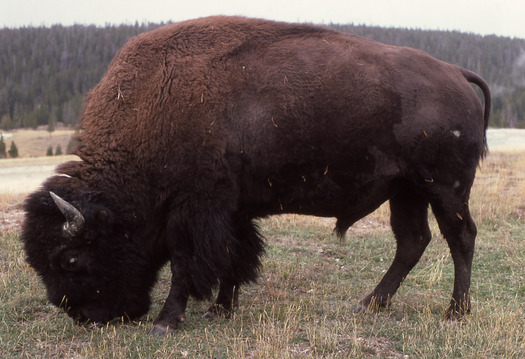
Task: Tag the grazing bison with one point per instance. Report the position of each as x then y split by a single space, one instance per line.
200 127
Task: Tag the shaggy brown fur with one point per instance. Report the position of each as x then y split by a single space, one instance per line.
200 127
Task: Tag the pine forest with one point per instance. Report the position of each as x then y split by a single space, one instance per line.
46 71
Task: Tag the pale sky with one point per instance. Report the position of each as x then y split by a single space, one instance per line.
485 17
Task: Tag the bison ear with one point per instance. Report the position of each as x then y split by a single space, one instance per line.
74 219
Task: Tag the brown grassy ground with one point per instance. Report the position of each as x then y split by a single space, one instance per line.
24 175
302 306
34 143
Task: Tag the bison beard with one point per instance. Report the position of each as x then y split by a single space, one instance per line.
201 127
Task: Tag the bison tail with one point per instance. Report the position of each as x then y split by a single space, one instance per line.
478 81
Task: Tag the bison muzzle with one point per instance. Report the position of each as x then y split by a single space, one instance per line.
201 127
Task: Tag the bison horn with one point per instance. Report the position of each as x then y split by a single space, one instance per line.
74 219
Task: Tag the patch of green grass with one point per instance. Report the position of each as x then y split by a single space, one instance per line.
302 305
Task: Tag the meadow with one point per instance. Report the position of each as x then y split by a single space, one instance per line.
303 304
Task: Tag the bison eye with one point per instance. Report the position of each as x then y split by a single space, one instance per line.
70 263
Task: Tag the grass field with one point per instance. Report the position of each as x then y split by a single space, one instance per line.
302 306
34 143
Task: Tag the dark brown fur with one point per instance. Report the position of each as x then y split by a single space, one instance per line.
200 127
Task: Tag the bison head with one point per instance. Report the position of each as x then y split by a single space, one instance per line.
87 256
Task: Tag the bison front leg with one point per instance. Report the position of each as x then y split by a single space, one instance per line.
226 303
245 262
174 308
409 223
202 249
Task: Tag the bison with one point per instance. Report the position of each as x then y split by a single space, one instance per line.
199 128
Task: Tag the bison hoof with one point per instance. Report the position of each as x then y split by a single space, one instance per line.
94 325
360 309
372 304
217 310
209 315
160 330
457 312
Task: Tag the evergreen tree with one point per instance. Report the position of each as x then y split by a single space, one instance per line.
49 151
13 151
2 147
58 150
6 123
50 125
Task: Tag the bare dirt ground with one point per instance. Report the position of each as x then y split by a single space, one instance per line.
11 218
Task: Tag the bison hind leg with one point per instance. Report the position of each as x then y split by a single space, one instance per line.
456 224
245 265
409 221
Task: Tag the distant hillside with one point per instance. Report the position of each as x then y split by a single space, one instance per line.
44 72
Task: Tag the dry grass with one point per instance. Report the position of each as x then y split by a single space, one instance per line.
499 188
24 175
302 306
34 143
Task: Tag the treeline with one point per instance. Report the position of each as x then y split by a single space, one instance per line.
45 72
